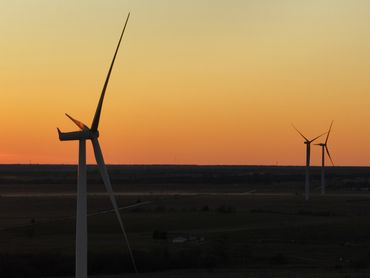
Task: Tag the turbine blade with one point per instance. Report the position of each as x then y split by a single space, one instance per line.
317 137
300 133
327 151
327 136
95 123
78 123
104 174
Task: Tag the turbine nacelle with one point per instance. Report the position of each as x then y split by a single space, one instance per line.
84 134
77 135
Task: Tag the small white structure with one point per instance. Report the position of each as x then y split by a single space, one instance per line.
179 239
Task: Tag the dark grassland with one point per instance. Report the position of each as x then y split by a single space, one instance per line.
236 221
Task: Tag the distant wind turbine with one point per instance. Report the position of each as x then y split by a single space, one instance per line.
324 147
92 134
308 156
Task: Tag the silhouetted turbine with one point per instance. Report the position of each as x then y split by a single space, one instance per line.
308 157
324 147
92 134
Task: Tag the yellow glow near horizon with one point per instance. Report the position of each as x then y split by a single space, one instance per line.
200 82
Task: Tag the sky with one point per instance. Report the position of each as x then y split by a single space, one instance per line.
195 82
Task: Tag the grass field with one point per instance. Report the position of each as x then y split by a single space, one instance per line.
251 228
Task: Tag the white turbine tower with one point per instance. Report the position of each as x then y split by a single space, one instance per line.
308 157
324 147
82 135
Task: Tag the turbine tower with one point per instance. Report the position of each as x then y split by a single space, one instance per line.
92 134
324 147
308 157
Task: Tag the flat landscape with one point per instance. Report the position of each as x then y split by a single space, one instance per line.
188 221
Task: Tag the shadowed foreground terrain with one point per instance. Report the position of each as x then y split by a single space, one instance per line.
188 221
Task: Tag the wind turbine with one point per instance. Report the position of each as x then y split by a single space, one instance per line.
308 156
324 147
92 134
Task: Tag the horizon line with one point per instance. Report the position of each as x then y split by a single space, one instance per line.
179 164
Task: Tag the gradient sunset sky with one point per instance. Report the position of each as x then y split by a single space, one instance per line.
195 81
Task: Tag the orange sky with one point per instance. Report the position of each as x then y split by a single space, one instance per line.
197 81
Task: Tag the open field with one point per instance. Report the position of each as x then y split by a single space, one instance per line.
245 273
234 221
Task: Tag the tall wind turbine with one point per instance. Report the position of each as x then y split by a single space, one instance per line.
308 157
82 135
324 147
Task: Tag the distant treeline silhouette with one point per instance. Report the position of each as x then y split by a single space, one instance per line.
177 175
